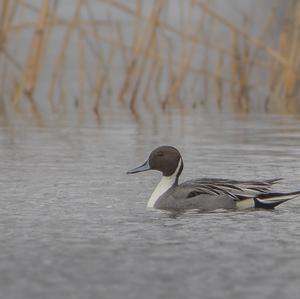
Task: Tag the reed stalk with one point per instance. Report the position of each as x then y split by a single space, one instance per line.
165 63
58 71
30 73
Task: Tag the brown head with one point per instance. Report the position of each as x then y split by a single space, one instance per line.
166 159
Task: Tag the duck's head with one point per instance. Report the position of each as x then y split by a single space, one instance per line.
166 159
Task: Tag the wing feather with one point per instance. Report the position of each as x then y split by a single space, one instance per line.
238 190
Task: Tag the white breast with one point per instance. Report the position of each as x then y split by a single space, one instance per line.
164 185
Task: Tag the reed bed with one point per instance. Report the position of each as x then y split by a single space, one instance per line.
140 55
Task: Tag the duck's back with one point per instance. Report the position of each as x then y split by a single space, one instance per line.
208 194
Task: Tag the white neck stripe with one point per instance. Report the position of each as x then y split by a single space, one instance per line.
178 168
164 185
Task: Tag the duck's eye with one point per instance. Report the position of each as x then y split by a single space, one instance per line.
160 154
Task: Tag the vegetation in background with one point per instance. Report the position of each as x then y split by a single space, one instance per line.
144 58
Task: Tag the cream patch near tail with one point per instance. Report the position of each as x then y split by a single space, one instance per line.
245 204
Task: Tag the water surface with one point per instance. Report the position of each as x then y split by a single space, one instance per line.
74 225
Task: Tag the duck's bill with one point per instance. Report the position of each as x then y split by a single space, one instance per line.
141 168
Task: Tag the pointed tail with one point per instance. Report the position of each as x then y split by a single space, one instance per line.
271 200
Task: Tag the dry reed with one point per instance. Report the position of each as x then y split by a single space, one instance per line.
155 61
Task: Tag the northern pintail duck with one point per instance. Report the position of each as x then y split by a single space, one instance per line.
205 194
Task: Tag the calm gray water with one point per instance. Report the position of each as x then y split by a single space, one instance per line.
74 225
